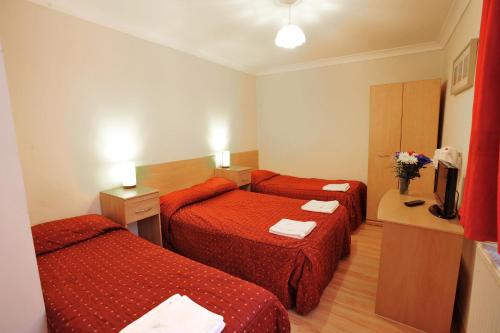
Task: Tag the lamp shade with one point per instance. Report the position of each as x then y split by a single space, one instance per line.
128 175
218 159
290 36
226 159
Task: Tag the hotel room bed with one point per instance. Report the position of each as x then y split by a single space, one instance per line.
264 181
98 277
223 227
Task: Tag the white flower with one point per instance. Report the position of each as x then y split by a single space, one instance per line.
406 158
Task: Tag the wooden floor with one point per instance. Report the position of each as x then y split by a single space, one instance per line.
348 303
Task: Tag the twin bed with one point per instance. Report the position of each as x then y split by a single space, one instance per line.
98 277
224 227
354 199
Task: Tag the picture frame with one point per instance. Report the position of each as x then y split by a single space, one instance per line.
464 68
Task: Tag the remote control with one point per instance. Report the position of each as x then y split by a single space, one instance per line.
414 203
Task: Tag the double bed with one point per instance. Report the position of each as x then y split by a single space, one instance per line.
354 199
98 277
224 227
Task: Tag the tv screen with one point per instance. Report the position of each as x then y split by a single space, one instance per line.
441 181
444 190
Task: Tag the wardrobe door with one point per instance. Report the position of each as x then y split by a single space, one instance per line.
386 103
419 126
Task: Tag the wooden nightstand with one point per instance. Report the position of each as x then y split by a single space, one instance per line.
140 204
241 175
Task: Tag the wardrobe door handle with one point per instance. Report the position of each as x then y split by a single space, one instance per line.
386 155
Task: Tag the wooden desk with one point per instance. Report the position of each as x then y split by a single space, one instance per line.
419 263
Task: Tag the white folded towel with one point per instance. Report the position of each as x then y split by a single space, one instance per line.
321 206
337 187
177 314
292 228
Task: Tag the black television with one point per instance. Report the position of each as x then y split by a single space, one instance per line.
445 187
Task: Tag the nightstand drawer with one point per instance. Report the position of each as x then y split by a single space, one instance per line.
244 178
140 204
141 208
240 175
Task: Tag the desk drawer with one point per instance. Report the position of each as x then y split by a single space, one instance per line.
141 208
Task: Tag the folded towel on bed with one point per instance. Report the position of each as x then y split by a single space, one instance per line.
321 206
292 228
337 187
177 314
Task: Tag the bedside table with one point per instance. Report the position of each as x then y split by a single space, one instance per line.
241 175
140 204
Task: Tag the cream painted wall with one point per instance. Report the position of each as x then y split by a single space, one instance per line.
457 122
315 122
21 303
458 109
86 97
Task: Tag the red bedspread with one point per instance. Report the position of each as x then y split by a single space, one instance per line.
354 199
102 278
230 231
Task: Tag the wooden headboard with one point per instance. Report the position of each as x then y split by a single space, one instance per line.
171 176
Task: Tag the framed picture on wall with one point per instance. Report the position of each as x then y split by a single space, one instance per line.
464 68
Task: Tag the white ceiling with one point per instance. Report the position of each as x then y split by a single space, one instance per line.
240 33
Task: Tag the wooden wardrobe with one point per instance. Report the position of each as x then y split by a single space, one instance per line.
403 116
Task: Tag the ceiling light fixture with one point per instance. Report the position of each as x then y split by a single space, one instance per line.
290 36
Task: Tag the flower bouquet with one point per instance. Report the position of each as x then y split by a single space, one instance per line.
407 167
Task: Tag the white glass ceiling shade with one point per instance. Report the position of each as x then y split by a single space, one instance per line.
290 36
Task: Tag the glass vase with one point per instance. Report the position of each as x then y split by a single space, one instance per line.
404 184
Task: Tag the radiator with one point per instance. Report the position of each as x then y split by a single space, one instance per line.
484 310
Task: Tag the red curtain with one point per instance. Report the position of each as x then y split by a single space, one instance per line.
480 207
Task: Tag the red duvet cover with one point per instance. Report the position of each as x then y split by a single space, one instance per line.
218 225
354 199
98 277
